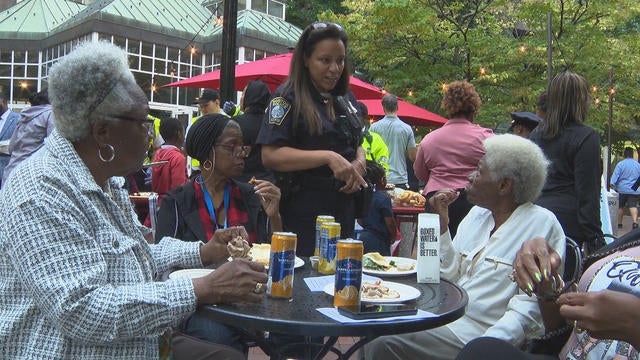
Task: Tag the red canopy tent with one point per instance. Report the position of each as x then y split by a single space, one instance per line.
407 112
273 71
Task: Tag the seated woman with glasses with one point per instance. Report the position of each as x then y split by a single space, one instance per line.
213 200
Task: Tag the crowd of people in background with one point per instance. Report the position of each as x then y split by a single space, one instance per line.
274 162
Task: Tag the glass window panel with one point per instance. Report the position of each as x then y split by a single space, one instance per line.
23 89
5 70
173 54
145 64
185 56
18 56
32 56
248 54
163 94
144 81
196 59
259 5
147 49
18 71
276 9
242 5
161 52
133 46
4 85
105 37
160 67
5 56
120 41
259 54
133 62
32 71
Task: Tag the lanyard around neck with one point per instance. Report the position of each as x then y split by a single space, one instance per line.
212 210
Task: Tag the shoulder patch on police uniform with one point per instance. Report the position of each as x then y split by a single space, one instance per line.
278 109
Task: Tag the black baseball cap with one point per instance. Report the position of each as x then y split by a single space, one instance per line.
208 95
525 118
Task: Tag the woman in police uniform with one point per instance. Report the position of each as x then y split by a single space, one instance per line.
312 138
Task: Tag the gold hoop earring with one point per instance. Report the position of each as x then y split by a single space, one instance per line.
108 159
207 165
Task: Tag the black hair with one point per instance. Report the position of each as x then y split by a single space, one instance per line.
628 152
170 127
375 172
39 98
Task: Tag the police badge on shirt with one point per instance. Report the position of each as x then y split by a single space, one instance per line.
278 109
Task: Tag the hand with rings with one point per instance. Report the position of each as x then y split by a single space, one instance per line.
535 269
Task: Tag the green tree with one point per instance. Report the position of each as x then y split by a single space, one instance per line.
501 47
303 12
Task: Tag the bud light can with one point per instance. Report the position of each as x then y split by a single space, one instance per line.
348 273
329 235
319 221
281 265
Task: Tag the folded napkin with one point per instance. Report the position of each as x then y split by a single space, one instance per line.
317 283
335 315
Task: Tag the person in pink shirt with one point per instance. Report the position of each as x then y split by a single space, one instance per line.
448 155
174 173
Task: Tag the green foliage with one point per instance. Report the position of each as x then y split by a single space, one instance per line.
303 12
420 45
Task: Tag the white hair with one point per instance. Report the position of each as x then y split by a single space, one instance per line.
93 79
513 157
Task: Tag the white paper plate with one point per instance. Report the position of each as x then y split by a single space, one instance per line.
190 273
298 263
406 292
393 271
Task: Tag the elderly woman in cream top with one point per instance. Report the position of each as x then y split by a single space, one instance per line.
509 177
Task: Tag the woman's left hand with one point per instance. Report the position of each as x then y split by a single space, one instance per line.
269 196
605 314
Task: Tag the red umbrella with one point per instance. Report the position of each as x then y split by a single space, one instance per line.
273 71
407 112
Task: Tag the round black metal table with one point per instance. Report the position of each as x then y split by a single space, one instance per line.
299 316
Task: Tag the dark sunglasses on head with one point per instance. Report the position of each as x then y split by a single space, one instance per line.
321 25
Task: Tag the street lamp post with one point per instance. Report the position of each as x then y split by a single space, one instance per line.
228 64
610 127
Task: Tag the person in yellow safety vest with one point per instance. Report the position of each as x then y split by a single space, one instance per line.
208 103
375 148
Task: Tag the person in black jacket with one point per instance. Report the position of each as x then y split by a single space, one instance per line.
253 103
572 190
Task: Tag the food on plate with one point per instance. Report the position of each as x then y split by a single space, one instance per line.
410 198
238 248
389 187
377 291
260 253
375 261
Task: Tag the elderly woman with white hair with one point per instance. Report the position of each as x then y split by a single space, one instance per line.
479 259
77 275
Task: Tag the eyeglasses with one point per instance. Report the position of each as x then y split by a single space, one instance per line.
321 25
241 151
147 122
